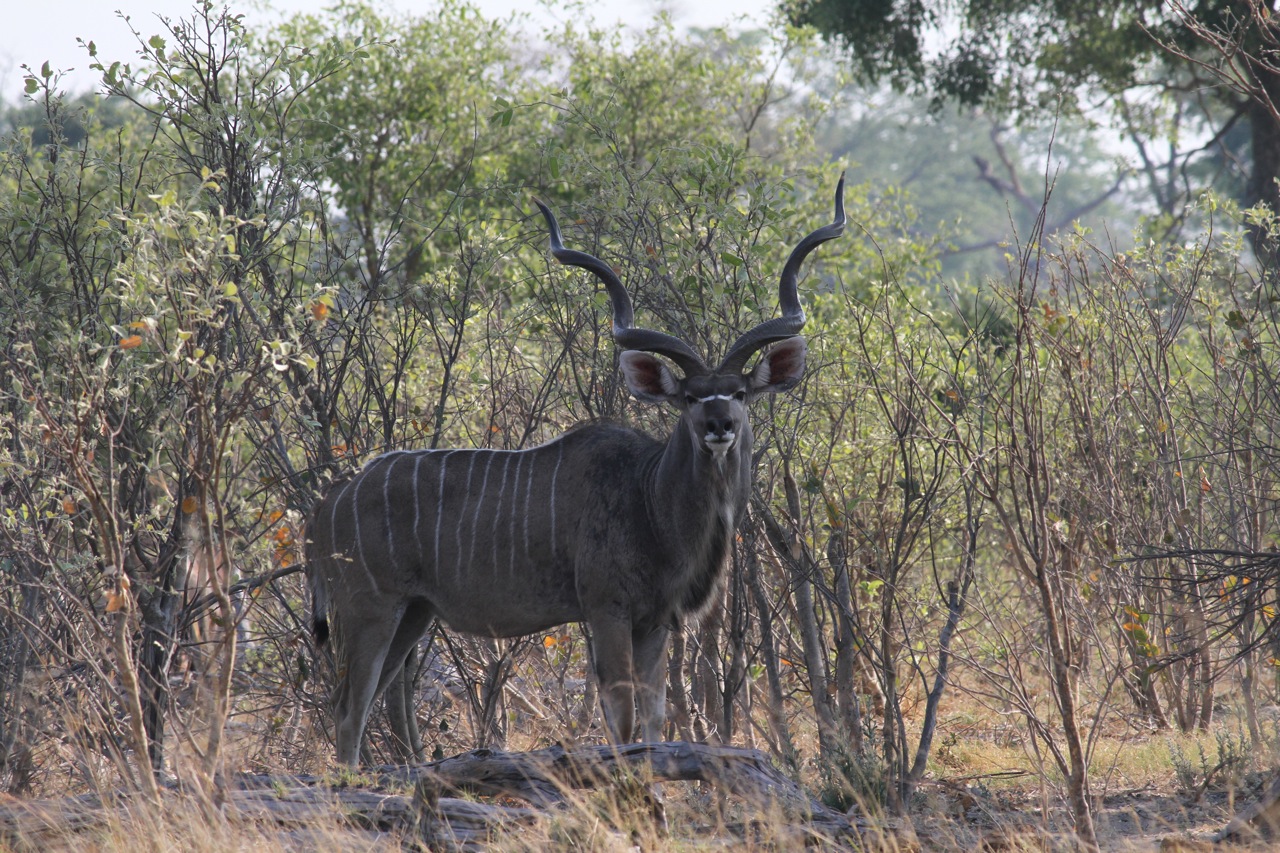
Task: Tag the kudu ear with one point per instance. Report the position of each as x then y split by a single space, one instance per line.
780 368
648 377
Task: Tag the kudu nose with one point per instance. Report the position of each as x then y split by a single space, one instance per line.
720 427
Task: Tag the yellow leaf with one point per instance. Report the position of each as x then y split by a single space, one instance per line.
319 311
549 642
68 506
131 342
189 504
1161 426
275 515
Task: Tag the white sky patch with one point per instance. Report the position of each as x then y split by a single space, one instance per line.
34 33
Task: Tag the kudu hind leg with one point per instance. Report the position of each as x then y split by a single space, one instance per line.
361 658
396 683
406 741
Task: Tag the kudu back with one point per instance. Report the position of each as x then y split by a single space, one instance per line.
603 525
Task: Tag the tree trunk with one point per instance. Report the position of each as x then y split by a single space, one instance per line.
159 637
1064 692
15 653
708 688
736 687
1262 185
847 647
677 691
769 653
810 638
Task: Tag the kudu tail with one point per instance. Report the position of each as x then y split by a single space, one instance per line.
319 608
315 582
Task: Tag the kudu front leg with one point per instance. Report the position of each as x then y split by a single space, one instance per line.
611 655
649 653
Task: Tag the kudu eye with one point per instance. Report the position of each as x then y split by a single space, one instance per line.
740 396
690 400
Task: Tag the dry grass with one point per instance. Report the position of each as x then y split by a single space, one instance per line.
981 796
985 790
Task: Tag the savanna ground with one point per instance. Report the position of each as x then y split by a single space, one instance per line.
986 787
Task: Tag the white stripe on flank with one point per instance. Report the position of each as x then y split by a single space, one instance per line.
528 491
555 473
444 461
417 509
386 514
355 515
497 510
333 517
475 520
457 555
511 534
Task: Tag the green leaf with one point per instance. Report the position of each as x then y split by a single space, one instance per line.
731 259
156 43
45 71
31 85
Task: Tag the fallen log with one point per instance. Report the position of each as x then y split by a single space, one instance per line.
545 778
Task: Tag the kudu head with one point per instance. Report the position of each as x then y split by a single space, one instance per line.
713 402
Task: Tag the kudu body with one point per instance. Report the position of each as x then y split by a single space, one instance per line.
603 525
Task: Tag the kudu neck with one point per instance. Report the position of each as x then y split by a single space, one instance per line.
691 487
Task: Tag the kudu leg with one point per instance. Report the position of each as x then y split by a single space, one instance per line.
372 651
361 658
650 658
611 653
396 682
402 711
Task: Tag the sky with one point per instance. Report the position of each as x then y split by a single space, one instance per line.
34 32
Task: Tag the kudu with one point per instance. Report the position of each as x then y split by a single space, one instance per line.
603 525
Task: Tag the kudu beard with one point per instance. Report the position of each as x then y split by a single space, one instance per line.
603 525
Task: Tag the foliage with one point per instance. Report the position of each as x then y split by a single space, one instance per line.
1228 764
1162 70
